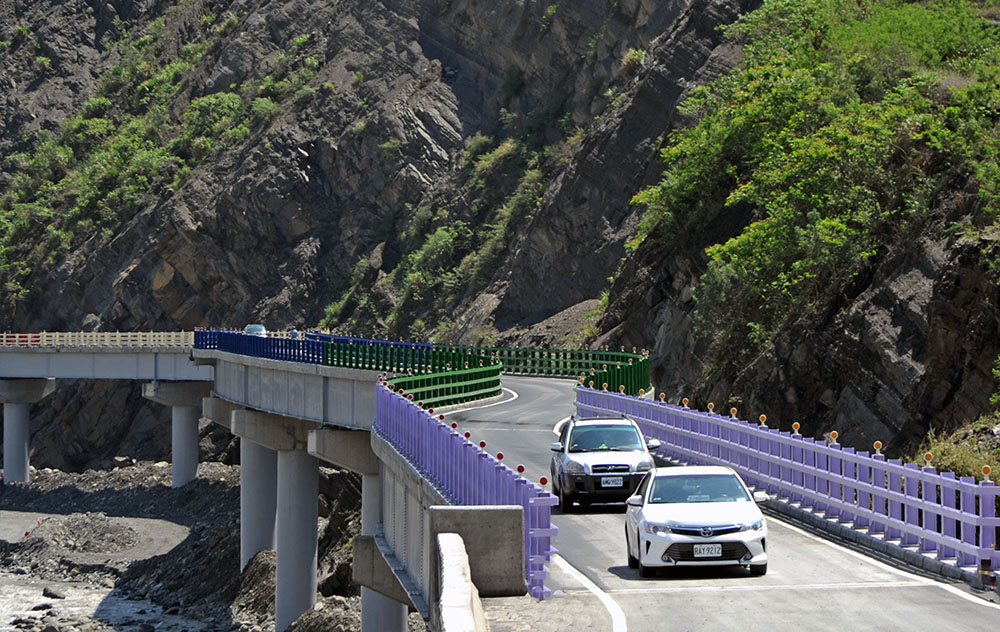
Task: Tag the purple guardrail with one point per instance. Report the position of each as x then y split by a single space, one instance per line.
467 475
949 519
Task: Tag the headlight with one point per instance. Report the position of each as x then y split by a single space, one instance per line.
644 466
756 525
657 529
572 467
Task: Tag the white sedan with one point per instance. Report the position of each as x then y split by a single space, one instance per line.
695 516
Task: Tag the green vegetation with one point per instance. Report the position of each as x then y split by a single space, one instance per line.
966 450
632 62
547 16
128 145
841 127
513 82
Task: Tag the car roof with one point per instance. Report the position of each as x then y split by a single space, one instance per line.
689 470
604 421
592 421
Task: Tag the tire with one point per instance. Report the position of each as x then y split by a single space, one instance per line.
645 571
633 561
758 570
565 502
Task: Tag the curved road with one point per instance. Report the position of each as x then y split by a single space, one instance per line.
812 582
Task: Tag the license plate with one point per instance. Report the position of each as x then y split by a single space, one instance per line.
612 481
708 550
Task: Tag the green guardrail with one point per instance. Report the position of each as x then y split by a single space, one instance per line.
443 375
379 357
450 387
611 370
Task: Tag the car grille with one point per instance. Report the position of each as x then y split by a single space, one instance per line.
608 469
684 552
704 531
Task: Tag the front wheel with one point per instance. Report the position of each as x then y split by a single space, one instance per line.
645 571
756 570
565 502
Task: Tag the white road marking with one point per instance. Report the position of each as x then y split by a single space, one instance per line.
513 394
894 571
617 616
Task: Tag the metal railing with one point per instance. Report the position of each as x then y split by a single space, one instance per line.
123 339
613 370
948 519
448 388
465 474
620 371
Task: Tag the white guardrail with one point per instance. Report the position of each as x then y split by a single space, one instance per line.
114 339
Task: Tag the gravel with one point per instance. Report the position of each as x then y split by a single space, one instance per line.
120 549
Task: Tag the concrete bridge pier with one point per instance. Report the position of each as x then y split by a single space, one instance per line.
184 399
294 517
352 450
378 612
258 499
296 534
258 482
17 396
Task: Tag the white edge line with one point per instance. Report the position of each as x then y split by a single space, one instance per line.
923 580
617 616
514 396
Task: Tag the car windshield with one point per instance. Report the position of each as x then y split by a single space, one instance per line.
593 438
700 488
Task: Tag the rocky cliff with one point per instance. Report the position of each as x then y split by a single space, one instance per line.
331 196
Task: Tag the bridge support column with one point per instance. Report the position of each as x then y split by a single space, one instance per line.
184 399
296 535
258 499
378 612
296 507
17 397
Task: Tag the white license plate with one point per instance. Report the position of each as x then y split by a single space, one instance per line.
708 550
612 481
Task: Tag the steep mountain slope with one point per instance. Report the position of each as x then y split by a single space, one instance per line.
459 170
345 144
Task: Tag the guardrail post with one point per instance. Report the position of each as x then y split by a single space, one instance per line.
949 525
895 506
910 506
969 519
929 521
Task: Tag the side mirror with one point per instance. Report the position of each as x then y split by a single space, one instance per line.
653 444
760 497
634 501
556 447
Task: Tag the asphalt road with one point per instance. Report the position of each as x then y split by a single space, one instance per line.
812 582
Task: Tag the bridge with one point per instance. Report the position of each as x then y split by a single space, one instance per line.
345 401
374 407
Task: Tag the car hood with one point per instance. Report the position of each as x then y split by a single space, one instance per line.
608 457
702 514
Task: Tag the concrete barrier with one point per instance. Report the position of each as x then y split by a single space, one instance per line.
458 608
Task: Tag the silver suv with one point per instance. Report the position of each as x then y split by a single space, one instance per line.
598 460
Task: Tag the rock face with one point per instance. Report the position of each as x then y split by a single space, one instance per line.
271 230
910 347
